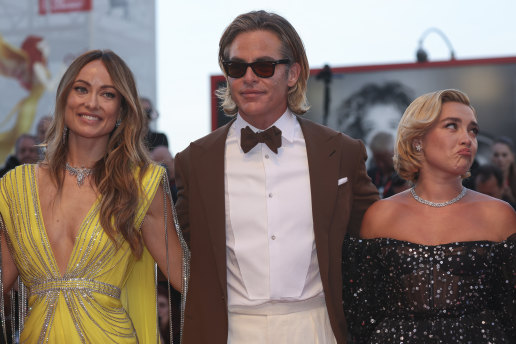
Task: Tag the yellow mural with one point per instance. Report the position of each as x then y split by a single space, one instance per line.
28 65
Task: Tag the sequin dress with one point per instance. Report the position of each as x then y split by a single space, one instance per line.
105 295
400 292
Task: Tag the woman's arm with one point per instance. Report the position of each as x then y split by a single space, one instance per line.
157 219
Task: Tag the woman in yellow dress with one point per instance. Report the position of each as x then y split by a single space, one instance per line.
84 228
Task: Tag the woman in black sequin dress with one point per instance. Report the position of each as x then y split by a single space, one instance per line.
437 263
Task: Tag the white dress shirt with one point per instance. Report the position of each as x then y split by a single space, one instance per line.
271 255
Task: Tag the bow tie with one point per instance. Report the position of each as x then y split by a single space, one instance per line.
271 137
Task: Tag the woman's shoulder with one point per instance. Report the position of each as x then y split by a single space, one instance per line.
383 215
383 206
497 214
16 175
19 169
151 170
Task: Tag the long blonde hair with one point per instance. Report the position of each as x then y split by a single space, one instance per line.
114 173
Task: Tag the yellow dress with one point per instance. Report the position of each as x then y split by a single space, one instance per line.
105 295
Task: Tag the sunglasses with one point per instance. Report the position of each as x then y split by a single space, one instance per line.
263 69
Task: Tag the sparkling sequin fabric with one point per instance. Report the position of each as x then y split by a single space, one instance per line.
105 295
400 292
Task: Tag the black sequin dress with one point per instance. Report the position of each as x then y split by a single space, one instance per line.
400 292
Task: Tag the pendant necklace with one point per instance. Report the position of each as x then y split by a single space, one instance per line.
79 173
440 204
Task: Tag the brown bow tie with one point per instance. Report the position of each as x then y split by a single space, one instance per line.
271 137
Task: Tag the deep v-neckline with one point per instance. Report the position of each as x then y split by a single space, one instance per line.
43 228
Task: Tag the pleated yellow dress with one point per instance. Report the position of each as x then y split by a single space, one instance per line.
105 295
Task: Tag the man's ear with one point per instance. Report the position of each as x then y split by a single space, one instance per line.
293 74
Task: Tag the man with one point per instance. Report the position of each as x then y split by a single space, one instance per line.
41 132
42 127
382 172
153 139
265 224
25 152
489 180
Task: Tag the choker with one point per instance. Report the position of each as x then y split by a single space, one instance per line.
79 173
434 204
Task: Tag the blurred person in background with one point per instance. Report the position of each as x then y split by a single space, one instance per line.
503 157
164 313
153 138
163 156
382 172
488 179
42 127
25 152
41 131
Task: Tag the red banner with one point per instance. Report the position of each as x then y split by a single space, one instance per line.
63 6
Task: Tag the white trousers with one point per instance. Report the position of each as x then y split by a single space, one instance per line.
305 326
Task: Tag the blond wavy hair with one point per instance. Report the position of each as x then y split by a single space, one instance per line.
417 120
114 174
292 49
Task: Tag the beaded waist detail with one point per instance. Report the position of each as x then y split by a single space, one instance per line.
75 284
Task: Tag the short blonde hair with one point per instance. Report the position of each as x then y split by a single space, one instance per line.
417 120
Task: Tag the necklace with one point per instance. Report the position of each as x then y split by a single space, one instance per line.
441 204
79 173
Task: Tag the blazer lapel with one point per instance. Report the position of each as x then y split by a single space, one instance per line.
208 162
323 166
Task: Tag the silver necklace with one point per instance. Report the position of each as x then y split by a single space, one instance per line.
79 173
441 204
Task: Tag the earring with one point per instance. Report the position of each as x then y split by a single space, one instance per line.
65 134
118 122
418 147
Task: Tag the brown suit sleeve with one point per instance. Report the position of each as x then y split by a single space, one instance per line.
364 192
181 172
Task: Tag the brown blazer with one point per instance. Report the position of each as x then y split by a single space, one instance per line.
201 210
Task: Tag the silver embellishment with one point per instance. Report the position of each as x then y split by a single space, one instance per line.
2 307
75 284
186 255
79 173
440 204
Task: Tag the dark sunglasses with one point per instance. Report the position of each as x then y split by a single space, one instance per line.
263 69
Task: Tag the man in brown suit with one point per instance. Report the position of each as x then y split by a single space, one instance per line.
266 200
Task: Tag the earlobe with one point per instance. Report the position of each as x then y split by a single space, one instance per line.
293 74
417 145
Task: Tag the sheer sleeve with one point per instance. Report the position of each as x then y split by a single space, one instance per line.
185 269
139 295
362 288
